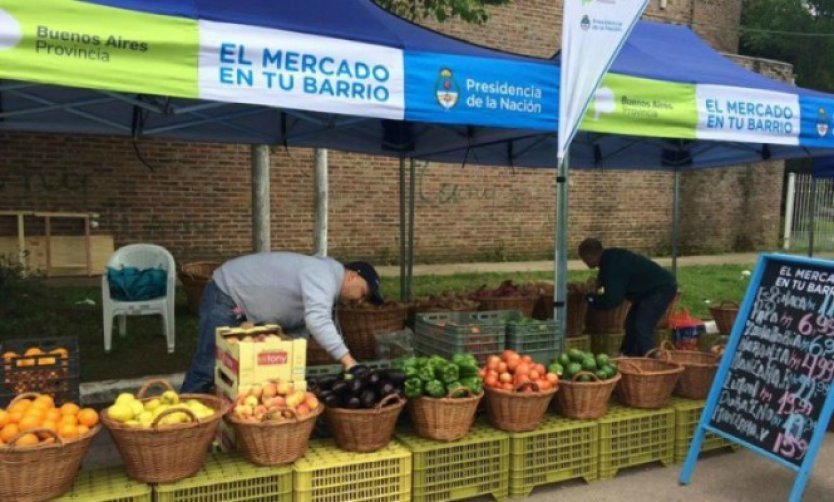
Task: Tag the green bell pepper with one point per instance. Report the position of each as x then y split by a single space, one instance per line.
435 388
404 362
447 373
468 370
456 389
413 388
474 384
426 373
464 359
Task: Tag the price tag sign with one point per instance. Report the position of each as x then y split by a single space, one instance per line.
771 393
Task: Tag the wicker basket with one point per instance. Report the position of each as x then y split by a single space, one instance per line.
523 304
646 382
585 399
365 430
607 321
725 316
445 419
276 442
194 277
43 471
514 411
663 323
165 453
316 355
359 325
699 370
577 310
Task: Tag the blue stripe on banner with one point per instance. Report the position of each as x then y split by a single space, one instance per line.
817 122
479 91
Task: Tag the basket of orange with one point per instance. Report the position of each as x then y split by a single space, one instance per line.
42 446
163 438
518 391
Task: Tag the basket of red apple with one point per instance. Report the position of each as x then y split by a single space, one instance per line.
273 422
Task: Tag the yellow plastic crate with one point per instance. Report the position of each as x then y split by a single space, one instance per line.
230 478
687 416
582 343
328 474
607 343
107 485
558 450
475 465
632 436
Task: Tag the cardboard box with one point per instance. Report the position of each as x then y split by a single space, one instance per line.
249 356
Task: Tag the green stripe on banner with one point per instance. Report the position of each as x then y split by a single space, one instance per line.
642 107
79 44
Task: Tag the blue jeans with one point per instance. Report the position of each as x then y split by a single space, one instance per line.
642 320
216 310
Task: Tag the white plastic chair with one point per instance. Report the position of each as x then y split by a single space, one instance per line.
141 256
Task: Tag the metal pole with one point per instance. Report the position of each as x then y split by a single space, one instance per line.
261 238
321 194
789 201
402 229
560 268
813 218
410 272
676 222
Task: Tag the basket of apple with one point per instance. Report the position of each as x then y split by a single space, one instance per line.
273 422
163 438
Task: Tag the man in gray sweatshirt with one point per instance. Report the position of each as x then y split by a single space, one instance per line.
295 291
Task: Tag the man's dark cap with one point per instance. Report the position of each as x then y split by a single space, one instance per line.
368 272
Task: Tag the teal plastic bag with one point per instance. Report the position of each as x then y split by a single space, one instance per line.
129 284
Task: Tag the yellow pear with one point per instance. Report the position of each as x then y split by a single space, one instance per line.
145 418
152 404
137 407
133 423
125 398
120 412
170 397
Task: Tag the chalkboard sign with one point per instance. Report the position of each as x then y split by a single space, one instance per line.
771 393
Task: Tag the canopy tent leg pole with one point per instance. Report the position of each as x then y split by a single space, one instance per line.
560 266
261 239
402 229
813 216
676 222
789 202
411 178
321 195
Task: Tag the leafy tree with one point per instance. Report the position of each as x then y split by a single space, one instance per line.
800 32
470 11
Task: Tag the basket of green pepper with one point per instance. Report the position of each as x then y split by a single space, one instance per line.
443 395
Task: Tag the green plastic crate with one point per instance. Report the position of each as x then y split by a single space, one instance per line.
582 343
476 465
448 333
632 436
687 416
328 474
107 485
540 339
230 478
607 344
558 450
335 369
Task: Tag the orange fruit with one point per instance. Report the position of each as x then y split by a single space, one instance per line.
9 431
20 405
68 431
27 440
46 400
69 409
29 422
4 417
33 351
69 419
53 415
83 429
15 416
60 351
53 426
88 417
8 356
35 412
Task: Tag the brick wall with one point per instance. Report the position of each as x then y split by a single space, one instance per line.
197 200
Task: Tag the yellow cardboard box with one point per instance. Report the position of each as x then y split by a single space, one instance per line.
249 356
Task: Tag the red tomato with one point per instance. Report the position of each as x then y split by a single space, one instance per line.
553 378
544 385
522 369
521 379
513 363
502 367
493 362
541 369
535 375
527 358
507 354
482 373
505 378
491 380
507 386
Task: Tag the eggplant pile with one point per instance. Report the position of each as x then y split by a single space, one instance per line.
359 388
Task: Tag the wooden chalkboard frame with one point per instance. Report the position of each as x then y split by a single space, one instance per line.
804 470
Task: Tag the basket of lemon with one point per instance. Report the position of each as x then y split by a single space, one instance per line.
164 438
42 446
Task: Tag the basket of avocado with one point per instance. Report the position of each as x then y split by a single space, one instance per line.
587 381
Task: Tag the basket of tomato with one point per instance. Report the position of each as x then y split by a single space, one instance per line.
518 391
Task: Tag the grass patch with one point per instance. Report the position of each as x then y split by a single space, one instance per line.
30 309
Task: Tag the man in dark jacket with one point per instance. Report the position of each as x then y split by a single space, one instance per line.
626 275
